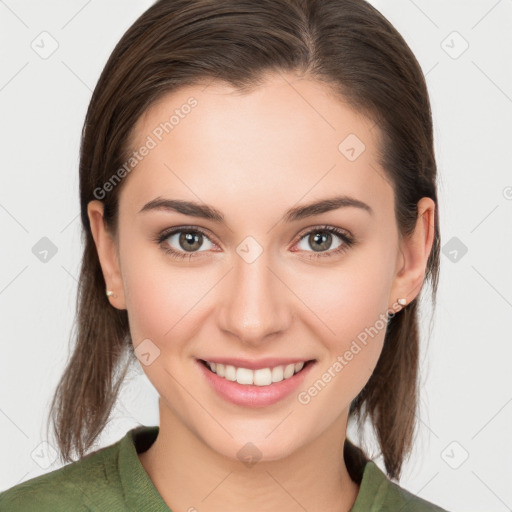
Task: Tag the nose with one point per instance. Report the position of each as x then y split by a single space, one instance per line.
256 302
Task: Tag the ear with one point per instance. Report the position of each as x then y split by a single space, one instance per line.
107 254
414 252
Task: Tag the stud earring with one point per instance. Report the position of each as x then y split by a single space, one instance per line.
402 302
111 293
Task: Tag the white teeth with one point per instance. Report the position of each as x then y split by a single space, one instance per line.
289 371
263 377
277 374
219 370
244 376
260 377
230 372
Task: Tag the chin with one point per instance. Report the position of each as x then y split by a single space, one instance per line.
249 449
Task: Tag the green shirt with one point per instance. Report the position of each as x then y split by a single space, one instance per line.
113 479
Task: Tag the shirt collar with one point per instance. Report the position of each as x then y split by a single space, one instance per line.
139 491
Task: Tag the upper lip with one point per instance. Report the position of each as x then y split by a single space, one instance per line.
267 362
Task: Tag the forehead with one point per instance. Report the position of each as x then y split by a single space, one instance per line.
287 139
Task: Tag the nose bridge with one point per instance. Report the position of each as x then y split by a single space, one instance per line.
255 305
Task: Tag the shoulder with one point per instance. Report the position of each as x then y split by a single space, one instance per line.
398 496
376 490
78 486
389 496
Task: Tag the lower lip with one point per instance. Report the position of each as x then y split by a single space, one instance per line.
251 395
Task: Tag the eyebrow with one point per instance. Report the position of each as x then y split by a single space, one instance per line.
294 214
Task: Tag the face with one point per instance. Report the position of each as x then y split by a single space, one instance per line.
255 286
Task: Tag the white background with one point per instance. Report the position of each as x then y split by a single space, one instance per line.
466 401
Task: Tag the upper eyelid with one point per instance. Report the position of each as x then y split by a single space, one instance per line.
325 227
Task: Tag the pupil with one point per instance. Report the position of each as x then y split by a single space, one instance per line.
322 240
190 238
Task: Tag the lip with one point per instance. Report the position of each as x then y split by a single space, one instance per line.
251 395
268 362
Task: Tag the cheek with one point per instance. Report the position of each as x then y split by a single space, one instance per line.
353 349
351 299
350 318
164 300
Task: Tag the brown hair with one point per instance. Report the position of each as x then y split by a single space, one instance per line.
347 45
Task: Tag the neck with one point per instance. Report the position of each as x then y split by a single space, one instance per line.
190 476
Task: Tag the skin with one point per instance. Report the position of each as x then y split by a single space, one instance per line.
253 156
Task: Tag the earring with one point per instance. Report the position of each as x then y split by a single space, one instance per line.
402 302
111 293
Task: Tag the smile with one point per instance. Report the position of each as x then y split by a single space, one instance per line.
259 377
251 383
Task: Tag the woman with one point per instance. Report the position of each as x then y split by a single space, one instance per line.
258 198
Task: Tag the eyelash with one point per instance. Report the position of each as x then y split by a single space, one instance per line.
348 241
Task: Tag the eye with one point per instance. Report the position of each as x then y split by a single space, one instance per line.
184 242
321 239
